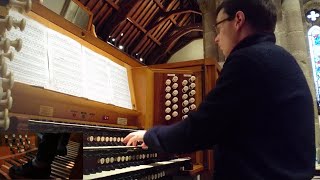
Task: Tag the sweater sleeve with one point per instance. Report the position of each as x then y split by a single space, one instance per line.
211 123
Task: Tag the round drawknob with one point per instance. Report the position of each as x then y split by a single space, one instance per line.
168 82
9 56
185 110
192 79
192 107
102 138
17 44
185 96
4 69
185 103
6 102
192 92
5 45
184 82
8 81
168 96
175 107
168 89
4 119
175 114
175 86
175 93
22 6
192 100
185 89
192 85
5 24
168 103
175 79
168 110
19 24
184 117
167 117
90 138
175 99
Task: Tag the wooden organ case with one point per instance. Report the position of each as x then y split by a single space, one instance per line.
160 94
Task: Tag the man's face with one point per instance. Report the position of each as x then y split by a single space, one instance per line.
225 33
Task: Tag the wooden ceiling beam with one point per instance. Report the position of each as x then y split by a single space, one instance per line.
143 30
111 3
168 45
159 4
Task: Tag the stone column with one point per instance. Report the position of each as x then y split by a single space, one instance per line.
291 35
208 8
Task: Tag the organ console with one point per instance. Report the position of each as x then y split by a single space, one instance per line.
160 95
17 149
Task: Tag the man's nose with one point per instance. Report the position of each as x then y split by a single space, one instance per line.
216 39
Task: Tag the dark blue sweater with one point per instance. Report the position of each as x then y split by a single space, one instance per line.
259 117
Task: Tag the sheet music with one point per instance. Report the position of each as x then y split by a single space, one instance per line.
66 64
30 65
97 76
120 86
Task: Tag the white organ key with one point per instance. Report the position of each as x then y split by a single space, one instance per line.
167 117
175 114
21 5
4 119
19 24
175 86
6 24
168 82
175 99
192 100
192 79
168 103
168 96
7 82
175 79
184 82
168 110
175 93
9 56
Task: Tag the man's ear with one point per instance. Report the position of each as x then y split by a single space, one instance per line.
240 19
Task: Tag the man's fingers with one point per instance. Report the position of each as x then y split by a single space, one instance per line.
135 140
144 146
127 138
131 140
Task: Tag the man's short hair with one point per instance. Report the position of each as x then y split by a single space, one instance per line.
260 14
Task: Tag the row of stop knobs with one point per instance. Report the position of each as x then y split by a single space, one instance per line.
188 101
7 78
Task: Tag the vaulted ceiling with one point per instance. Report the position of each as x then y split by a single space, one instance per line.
148 30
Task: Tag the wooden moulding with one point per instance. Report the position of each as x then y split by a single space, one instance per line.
34 102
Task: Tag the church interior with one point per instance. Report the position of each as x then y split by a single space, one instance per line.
101 69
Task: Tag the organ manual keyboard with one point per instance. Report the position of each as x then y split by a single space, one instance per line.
106 157
37 107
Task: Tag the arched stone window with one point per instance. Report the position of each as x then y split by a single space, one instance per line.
314 46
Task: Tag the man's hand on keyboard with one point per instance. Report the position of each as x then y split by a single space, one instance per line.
133 138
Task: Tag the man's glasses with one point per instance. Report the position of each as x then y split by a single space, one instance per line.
215 25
